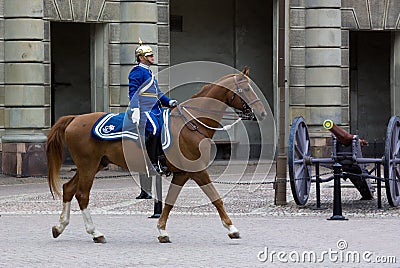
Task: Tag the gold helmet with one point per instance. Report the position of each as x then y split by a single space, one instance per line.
143 50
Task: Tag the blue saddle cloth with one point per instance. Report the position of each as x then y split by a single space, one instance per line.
111 127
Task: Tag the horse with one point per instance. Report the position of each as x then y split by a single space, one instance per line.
189 134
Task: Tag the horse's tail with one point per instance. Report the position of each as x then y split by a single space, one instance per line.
55 152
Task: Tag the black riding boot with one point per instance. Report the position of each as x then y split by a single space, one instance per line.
162 160
153 147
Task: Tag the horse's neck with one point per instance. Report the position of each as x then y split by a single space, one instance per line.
209 111
209 104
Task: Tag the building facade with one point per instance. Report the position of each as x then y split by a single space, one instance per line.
61 57
343 65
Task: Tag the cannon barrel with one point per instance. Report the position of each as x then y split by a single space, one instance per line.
341 135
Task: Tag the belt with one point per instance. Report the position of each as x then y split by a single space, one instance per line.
145 94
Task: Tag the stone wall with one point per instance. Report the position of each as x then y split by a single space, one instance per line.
147 20
319 56
315 82
25 66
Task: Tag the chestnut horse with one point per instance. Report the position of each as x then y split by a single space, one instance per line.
188 133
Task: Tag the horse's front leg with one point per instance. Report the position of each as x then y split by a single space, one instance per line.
177 182
226 221
203 180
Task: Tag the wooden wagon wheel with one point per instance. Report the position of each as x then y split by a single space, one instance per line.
392 161
299 153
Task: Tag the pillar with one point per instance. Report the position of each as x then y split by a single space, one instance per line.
323 72
26 89
138 19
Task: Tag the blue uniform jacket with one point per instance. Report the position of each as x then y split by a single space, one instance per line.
145 95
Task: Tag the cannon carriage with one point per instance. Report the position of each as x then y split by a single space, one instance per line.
347 162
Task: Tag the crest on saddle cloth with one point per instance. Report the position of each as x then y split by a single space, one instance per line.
110 127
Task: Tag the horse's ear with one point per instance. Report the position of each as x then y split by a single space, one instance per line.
246 70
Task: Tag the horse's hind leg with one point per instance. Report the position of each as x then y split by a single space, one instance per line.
203 180
69 190
82 195
177 182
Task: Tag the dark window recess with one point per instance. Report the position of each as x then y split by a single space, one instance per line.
176 23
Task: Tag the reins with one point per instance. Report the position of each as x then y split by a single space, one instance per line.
227 127
194 127
225 115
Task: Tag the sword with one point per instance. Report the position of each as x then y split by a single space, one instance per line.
143 150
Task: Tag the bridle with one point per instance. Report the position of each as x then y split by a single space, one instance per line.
247 111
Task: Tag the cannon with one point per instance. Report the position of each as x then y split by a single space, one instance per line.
347 162
347 151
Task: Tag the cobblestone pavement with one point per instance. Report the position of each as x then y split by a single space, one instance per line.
27 213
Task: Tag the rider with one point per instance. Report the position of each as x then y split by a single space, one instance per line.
145 103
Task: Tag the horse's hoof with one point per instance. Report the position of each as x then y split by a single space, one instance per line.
234 235
164 239
55 232
100 239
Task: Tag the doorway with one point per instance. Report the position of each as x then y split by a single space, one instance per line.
231 32
234 33
70 69
370 103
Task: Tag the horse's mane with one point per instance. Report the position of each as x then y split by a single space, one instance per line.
203 91
206 88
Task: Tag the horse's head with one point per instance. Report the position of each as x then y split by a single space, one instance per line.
243 97
235 91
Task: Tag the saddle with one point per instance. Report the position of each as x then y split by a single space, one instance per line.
112 126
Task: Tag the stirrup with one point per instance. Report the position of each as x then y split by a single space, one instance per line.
162 163
165 171
157 169
160 169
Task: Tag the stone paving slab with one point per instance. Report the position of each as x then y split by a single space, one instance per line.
198 241
28 212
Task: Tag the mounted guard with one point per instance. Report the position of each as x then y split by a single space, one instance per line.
188 146
145 103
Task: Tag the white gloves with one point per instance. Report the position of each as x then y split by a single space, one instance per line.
173 103
136 111
135 115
